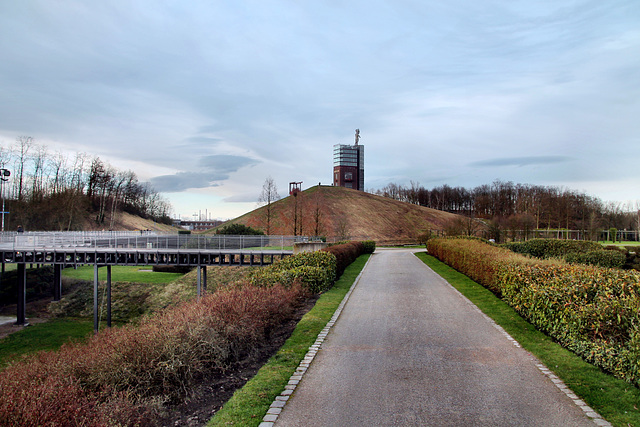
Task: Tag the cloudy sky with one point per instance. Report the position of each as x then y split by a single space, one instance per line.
206 99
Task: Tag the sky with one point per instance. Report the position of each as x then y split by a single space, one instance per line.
206 99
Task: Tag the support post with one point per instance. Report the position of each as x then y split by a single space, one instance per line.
22 295
199 285
108 296
57 282
204 278
95 298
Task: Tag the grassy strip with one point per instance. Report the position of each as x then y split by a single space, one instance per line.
120 273
43 336
248 405
616 400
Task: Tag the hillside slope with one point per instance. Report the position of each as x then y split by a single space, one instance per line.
344 213
124 221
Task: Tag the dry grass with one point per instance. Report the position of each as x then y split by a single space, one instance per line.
359 215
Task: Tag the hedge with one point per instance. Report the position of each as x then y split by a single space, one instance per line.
552 248
593 311
315 271
601 258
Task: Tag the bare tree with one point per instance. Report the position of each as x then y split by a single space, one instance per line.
21 149
39 161
317 213
267 197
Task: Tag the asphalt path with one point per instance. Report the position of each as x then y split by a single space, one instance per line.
409 350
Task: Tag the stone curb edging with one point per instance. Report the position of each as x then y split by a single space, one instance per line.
280 401
589 412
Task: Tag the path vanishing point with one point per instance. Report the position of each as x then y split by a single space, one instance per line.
409 350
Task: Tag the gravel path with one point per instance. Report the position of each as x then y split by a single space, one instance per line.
409 350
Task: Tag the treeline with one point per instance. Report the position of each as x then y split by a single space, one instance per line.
521 205
54 191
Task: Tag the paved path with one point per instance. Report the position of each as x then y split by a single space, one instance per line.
409 350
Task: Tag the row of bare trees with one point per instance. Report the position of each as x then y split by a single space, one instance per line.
521 206
56 191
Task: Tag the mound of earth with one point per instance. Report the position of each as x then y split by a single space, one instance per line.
346 214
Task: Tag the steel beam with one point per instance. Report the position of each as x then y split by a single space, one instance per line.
204 278
57 282
22 295
95 298
108 296
198 286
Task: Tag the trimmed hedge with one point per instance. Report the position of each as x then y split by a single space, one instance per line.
345 254
369 246
552 248
593 311
315 271
601 258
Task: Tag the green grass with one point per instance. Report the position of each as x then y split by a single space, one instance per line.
248 405
122 274
10 267
43 336
619 243
616 400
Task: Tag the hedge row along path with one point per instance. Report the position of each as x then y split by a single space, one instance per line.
408 349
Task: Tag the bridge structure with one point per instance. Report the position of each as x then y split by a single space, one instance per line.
106 249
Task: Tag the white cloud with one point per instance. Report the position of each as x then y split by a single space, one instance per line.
434 87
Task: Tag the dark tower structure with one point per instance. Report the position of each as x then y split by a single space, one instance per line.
348 165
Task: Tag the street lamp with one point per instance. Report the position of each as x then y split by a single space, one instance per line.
4 176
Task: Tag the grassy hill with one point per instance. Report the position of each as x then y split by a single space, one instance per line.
124 221
344 213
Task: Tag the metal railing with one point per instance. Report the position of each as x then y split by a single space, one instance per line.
142 240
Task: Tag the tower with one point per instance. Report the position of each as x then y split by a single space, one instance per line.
348 165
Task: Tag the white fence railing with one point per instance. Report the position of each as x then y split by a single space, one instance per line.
143 240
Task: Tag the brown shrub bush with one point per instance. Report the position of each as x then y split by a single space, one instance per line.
119 376
345 254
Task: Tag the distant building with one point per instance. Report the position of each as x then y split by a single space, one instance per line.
196 225
348 165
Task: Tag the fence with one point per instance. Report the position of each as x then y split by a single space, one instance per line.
564 234
143 240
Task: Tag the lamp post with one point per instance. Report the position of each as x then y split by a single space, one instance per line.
4 176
